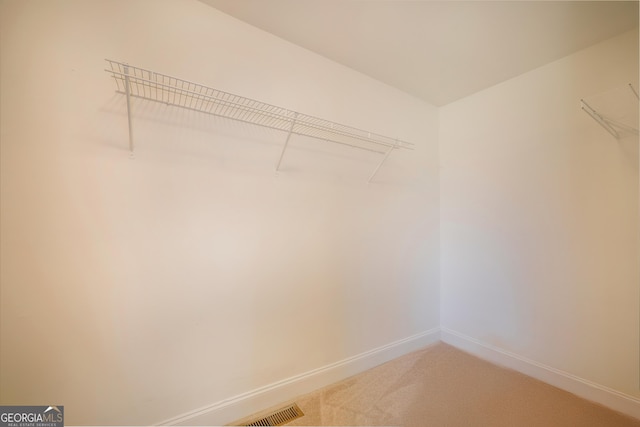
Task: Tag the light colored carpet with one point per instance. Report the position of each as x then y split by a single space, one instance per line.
441 386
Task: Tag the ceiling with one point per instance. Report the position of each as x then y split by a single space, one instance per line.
439 51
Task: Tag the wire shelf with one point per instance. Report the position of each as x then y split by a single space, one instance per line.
149 85
616 110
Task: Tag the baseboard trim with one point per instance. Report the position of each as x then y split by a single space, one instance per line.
242 405
586 389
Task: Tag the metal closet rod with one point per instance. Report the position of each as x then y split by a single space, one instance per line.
136 82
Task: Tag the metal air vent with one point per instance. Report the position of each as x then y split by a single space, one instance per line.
279 417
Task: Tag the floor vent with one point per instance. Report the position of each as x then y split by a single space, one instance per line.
279 417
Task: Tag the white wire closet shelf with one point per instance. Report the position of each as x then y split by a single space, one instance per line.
135 82
616 110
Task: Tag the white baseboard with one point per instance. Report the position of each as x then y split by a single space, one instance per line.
242 405
589 390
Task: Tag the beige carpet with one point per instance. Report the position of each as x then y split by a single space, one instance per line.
442 386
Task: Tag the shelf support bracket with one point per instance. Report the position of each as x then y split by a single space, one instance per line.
386 156
598 118
286 142
634 91
127 88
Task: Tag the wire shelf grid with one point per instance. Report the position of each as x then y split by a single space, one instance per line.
149 85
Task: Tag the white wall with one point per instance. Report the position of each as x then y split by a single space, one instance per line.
133 291
136 290
539 212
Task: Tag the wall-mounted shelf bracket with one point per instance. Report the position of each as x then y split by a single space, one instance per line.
135 82
127 85
286 142
634 91
384 159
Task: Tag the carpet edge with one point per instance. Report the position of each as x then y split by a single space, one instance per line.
589 390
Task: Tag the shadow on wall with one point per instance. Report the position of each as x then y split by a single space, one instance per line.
242 147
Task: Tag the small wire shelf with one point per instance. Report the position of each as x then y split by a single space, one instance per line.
616 110
136 82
